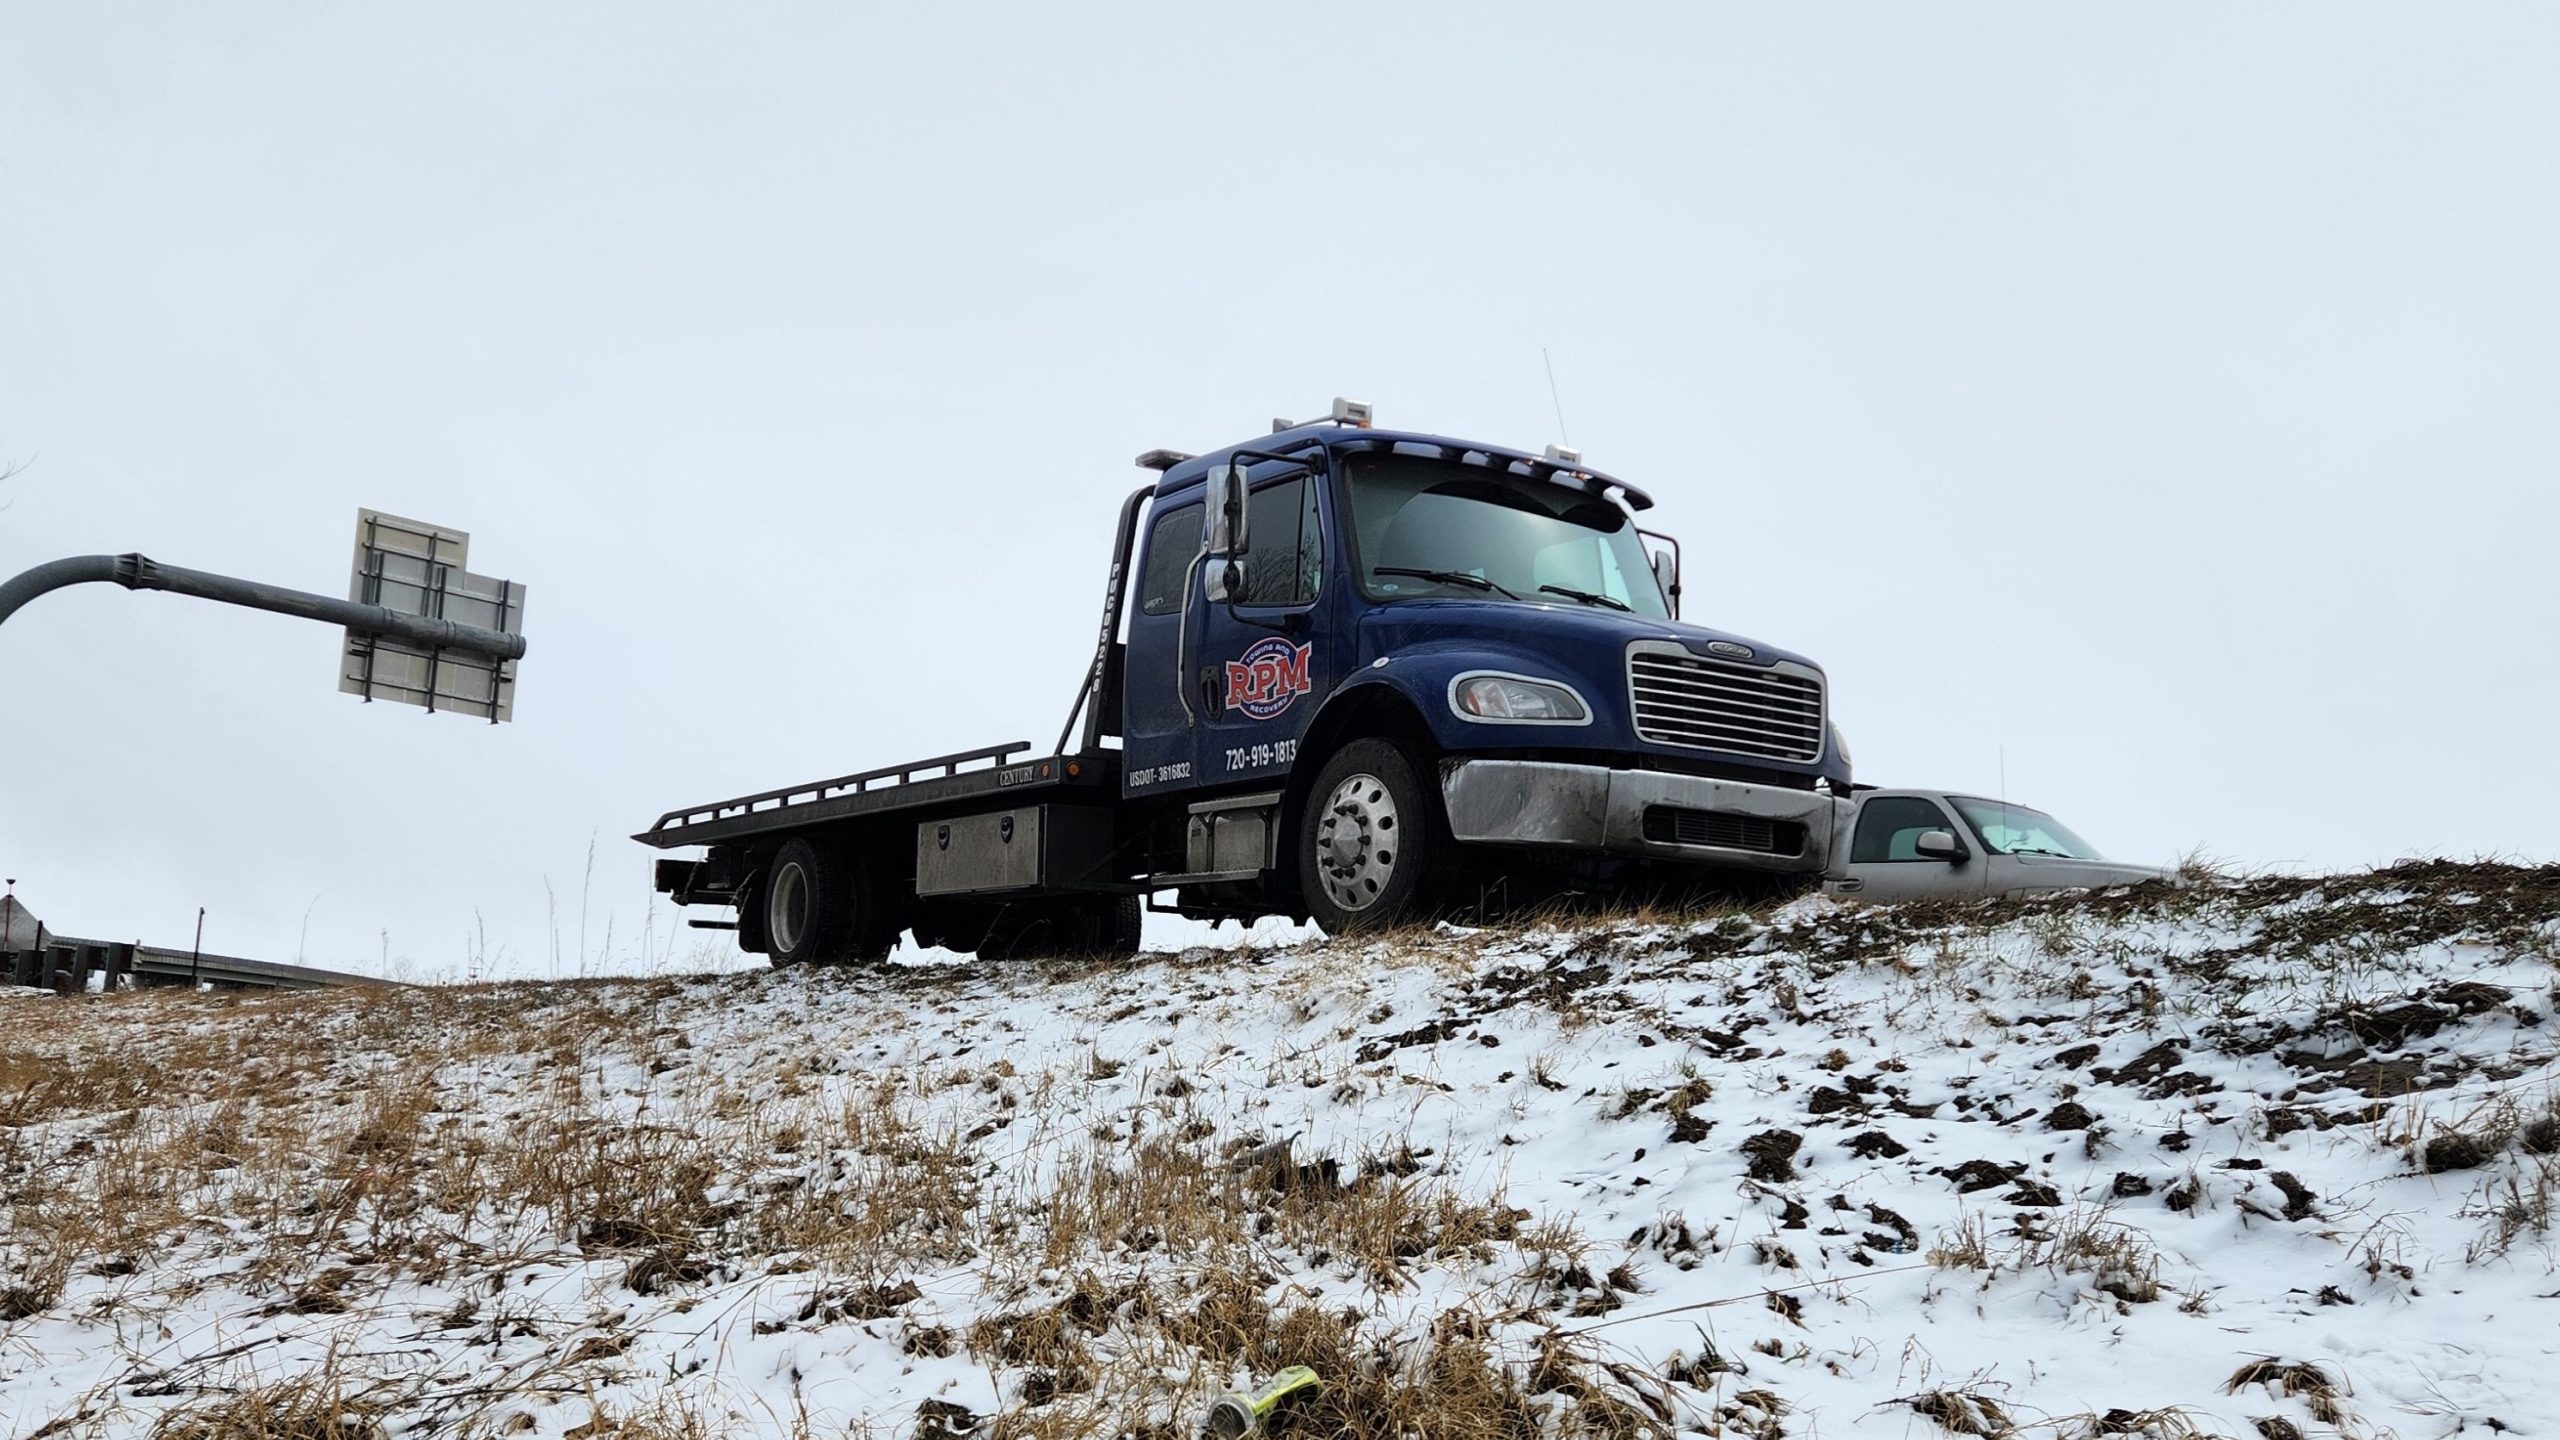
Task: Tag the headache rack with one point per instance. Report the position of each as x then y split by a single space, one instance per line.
891 787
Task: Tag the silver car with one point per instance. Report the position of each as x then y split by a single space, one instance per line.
1933 844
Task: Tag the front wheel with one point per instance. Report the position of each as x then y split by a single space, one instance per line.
1366 840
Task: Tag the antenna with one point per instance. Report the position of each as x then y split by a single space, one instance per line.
1561 433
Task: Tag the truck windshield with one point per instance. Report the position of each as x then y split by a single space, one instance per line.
2007 829
1438 528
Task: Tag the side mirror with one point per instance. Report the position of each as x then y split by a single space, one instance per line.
1226 512
1222 580
1666 571
1939 845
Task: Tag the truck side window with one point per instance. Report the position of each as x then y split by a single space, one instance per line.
1285 565
1889 828
1171 547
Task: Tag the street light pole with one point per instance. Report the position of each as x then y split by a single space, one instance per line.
140 572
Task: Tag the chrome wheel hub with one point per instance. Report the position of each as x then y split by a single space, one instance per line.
1357 842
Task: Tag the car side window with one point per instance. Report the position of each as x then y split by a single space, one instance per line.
1890 827
1285 564
1172 545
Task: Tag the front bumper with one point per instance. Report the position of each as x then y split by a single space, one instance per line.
1592 807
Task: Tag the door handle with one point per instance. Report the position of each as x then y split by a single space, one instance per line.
1210 699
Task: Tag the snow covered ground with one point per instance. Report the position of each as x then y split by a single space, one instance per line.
2276 1155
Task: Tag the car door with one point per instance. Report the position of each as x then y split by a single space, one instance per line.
1262 663
1157 731
1885 862
2039 874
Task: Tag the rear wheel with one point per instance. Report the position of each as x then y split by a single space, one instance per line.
1099 925
823 905
1117 921
945 926
1366 840
751 908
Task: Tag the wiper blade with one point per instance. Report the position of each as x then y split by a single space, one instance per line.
1445 577
1585 596
2031 850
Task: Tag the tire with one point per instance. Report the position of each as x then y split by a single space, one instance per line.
822 906
944 926
1124 920
751 934
1368 840
1104 925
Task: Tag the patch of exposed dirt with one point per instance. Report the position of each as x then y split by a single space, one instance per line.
1772 1155
1975 1175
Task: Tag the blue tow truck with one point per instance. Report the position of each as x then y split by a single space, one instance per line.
1345 674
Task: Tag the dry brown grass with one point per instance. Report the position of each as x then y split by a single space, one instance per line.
2084 1242
1110 1233
1963 1412
2520 1197
321 1405
2322 1393
359 1146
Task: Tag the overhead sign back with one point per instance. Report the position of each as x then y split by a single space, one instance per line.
420 569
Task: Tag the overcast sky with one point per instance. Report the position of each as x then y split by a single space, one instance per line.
2151 409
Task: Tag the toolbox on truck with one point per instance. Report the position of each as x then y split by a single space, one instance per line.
1047 847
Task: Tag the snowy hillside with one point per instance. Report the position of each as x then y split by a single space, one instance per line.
2276 1154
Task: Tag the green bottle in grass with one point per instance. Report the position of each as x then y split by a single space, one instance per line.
1237 1415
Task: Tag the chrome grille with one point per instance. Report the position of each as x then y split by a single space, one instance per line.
1766 712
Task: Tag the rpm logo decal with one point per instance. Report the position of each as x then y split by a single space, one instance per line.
1269 678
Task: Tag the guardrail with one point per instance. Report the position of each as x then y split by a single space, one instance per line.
64 965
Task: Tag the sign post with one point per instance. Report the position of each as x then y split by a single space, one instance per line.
420 628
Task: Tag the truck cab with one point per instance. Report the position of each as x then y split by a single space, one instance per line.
1496 616
1344 674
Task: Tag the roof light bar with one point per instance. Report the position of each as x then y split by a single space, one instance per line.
1358 414
1564 455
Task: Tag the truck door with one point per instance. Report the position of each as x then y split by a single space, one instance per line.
1885 862
1157 734
1262 665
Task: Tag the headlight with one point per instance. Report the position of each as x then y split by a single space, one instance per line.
1512 700
1840 743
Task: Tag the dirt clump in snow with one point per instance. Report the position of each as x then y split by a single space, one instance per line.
1772 1155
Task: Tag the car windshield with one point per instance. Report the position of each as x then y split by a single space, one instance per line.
2007 829
1440 528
